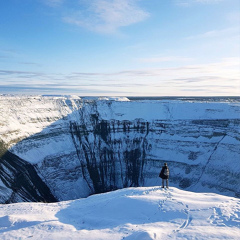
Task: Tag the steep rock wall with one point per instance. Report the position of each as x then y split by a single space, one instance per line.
80 147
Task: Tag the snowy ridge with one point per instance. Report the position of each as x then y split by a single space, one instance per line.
131 214
22 116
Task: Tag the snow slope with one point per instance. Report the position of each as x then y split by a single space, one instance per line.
133 214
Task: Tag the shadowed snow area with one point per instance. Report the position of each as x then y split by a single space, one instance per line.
133 213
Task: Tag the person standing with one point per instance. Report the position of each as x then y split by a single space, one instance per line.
164 175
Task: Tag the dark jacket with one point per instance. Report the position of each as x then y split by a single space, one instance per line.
161 175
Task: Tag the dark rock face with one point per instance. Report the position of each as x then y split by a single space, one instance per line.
23 181
102 154
77 148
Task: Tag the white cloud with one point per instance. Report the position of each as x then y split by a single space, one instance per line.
165 59
218 78
107 16
187 3
227 32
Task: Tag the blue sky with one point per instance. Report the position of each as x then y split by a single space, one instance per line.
120 47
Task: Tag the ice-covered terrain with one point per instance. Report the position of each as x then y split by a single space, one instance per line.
62 148
133 214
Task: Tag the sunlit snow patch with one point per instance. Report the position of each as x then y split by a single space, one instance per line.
133 213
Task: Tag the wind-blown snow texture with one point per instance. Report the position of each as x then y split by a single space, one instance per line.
130 214
78 147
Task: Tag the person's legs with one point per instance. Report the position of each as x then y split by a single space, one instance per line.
162 183
167 183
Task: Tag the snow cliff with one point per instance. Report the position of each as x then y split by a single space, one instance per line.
77 147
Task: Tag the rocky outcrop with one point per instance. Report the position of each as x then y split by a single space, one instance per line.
76 147
21 181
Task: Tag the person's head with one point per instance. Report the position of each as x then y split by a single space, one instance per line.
165 164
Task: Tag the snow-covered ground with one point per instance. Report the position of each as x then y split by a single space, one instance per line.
131 214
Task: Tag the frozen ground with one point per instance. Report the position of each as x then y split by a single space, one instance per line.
130 214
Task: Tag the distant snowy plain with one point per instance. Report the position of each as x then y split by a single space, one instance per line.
132 214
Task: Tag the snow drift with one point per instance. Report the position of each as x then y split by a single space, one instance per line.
131 214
